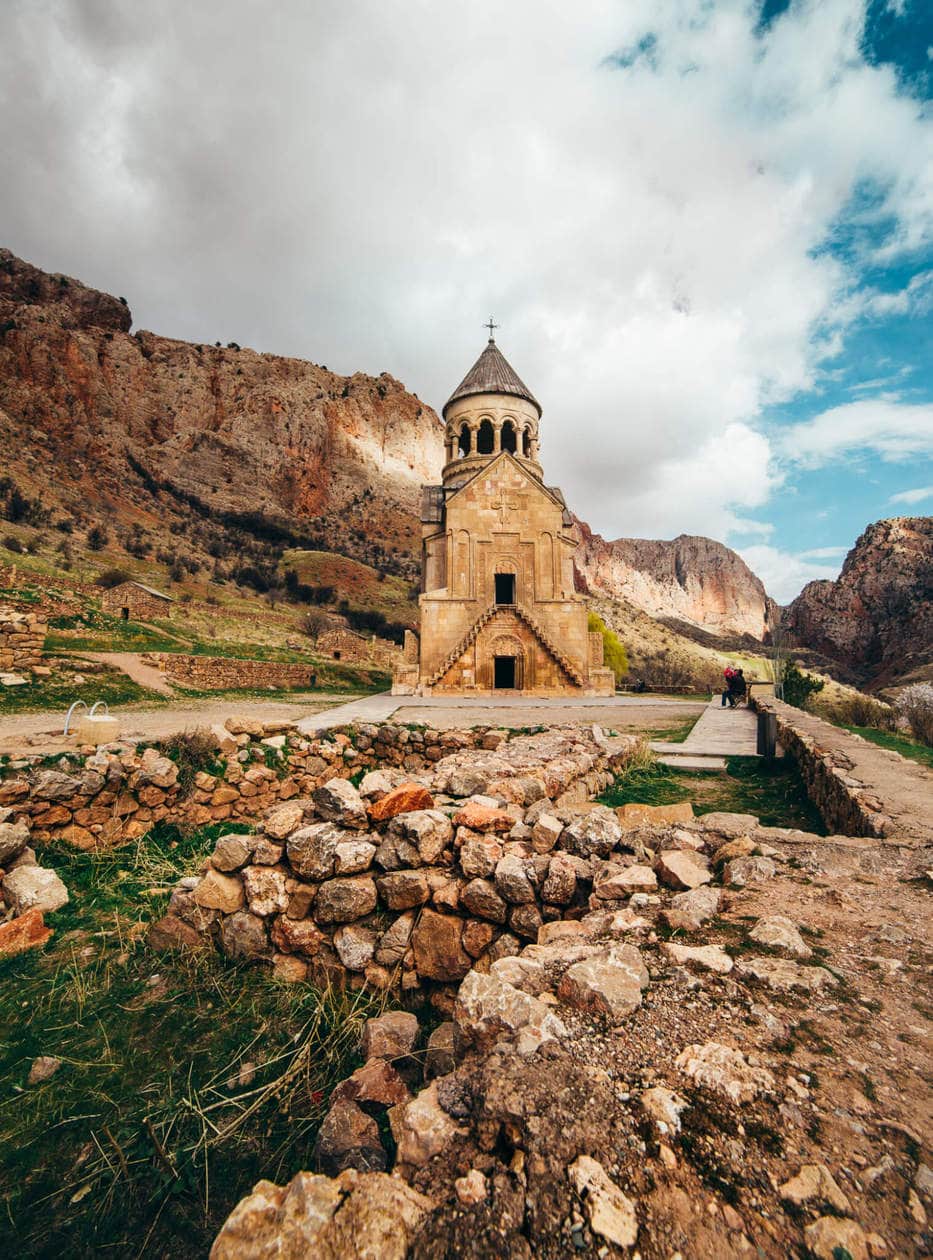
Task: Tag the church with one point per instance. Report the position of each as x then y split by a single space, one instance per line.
499 612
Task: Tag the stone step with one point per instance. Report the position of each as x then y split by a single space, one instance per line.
695 762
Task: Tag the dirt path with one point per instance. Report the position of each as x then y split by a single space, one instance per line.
42 731
132 664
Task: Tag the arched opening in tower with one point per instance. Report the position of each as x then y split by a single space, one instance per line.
509 439
485 438
463 443
526 443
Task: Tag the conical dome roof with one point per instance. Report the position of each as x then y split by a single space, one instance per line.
492 374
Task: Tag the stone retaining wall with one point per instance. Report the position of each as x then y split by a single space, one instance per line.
120 791
22 638
408 882
220 673
848 804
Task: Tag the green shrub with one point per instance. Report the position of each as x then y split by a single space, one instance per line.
192 751
614 653
797 686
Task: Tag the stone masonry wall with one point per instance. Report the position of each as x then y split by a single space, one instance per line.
22 637
850 805
121 790
220 673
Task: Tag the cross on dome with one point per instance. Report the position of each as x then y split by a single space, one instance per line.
491 326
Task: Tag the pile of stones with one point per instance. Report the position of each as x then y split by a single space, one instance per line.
28 891
411 885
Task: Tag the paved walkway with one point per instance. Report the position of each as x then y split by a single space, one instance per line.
508 711
720 733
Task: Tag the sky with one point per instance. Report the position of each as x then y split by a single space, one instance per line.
705 227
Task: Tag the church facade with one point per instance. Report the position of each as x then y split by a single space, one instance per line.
498 607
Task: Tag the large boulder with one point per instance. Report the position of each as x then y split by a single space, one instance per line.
427 831
243 935
14 837
609 984
722 1070
421 1128
312 851
594 833
390 1036
403 799
357 1216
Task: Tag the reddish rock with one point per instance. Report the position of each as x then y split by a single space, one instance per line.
349 1138
390 1036
401 800
483 818
297 936
24 933
375 1082
170 932
439 954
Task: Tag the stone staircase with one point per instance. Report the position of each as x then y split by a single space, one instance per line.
483 620
564 662
467 641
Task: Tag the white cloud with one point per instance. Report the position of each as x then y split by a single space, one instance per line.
822 553
893 430
913 496
362 184
785 574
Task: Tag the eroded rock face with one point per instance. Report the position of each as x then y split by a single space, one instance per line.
69 365
876 618
691 579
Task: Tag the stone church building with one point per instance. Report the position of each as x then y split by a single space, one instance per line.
498 607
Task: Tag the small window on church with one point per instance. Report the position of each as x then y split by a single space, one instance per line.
485 438
464 445
505 588
508 437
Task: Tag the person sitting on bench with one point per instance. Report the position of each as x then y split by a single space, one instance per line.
737 688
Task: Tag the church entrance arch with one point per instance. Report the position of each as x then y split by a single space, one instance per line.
508 663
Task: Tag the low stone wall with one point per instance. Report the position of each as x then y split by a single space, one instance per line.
408 883
120 791
22 638
859 789
220 673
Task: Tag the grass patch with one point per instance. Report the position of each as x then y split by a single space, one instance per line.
149 1133
675 734
896 742
56 695
773 791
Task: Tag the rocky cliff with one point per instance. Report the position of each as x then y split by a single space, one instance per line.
142 427
142 430
689 579
876 618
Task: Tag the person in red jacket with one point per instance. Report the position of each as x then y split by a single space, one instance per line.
728 673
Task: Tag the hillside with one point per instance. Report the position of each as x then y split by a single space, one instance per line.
221 448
